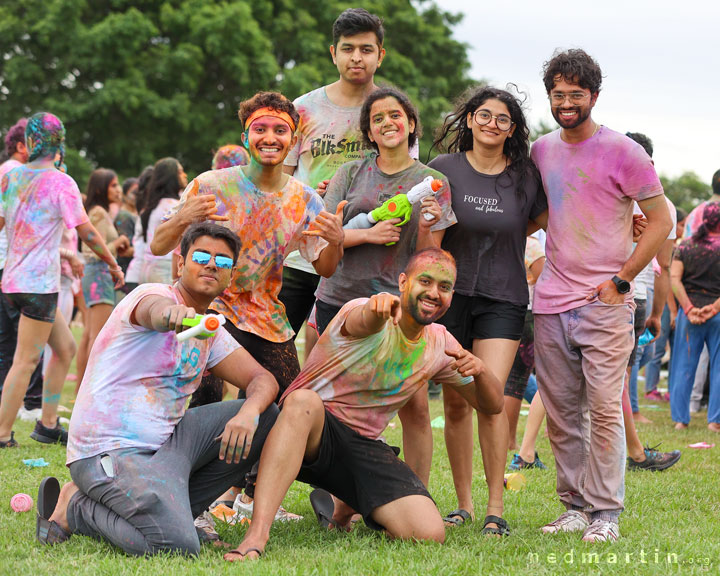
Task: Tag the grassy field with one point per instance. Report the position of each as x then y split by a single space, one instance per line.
671 524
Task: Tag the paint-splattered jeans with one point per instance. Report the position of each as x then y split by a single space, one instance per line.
580 359
144 501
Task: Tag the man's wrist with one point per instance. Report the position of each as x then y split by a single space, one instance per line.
687 308
621 285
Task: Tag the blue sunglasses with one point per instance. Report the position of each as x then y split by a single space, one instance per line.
203 258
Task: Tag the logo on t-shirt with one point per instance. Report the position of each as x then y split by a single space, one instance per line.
326 146
484 204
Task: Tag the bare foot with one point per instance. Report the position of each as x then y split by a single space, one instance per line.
639 418
680 426
342 516
714 427
59 515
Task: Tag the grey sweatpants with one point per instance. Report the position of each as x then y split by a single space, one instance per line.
147 502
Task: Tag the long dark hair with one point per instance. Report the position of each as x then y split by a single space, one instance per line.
97 188
143 183
456 136
710 222
164 183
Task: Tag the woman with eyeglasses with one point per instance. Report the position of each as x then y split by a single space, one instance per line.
496 194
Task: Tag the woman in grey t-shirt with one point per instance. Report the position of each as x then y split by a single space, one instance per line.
496 193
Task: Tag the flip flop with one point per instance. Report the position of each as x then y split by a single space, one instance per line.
323 506
48 531
458 517
243 554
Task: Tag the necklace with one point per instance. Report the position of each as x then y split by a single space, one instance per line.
564 138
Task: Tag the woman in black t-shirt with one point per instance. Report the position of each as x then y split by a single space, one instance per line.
498 198
695 276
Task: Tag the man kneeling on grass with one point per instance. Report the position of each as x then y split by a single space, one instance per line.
375 354
143 467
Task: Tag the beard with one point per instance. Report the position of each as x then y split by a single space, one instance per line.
583 113
423 318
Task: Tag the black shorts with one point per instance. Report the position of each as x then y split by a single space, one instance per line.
324 313
640 317
363 473
524 361
478 318
40 307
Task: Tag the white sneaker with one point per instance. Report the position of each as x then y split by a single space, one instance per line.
602 531
246 509
29 415
570 521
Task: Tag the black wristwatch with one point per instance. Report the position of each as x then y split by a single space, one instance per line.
623 286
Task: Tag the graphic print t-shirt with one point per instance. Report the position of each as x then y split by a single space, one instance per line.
328 137
35 204
488 241
363 382
138 381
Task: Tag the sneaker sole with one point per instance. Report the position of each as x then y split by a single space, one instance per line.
46 439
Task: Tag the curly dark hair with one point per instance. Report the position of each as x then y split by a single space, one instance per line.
356 21
273 100
456 136
402 99
15 135
164 183
710 222
575 66
715 183
97 188
643 140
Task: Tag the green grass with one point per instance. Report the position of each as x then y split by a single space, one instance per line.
676 512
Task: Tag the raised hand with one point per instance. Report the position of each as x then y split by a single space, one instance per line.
200 207
329 226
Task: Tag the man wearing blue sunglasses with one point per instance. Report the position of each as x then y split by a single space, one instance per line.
142 466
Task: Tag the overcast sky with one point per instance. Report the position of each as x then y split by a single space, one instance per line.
660 61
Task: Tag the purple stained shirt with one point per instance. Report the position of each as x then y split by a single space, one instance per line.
590 187
35 204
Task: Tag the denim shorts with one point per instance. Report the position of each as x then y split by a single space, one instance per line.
97 284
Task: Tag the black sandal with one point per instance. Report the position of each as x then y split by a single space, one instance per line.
458 517
324 507
47 531
12 443
502 526
243 554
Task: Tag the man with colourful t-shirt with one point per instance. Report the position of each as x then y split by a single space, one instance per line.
329 134
372 358
273 214
583 302
142 466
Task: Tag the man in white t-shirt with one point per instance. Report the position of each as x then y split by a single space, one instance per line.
142 466
329 135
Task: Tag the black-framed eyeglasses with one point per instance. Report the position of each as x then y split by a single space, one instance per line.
558 98
203 258
483 117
